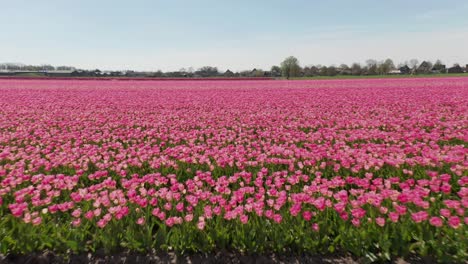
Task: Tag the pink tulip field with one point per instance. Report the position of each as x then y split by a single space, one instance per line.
375 168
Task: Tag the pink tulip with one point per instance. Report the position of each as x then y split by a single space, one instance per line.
454 221
244 219
419 216
356 222
394 216
380 221
76 222
188 218
307 215
36 221
201 225
445 212
315 227
436 221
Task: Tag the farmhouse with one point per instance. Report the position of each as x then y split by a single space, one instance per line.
257 73
455 69
228 73
439 68
424 68
253 73
405 70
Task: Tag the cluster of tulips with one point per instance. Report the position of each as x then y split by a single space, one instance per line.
376 168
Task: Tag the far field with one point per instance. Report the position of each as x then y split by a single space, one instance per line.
384 76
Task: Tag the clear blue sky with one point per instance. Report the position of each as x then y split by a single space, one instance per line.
169 35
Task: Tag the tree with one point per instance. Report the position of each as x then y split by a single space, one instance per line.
371 62
275 71
307 71
158 74
290 67
385 67
65 68
207 71
413 64
331 71
314 70
371 67
344 66
439 67
430 65
323 71
356 69
12 66
310 71
344 69
47 67
402 64
389 65
244 73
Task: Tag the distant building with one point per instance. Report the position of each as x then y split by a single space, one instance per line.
257 73
424 68
455 69
253 72
85 73
394 72
405 70
466 68
21 73
267 74
135 74
228 73
439 68
79 73
116 73
59 73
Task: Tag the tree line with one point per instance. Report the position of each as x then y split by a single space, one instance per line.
289 68
24 67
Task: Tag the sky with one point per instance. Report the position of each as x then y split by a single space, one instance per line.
237 35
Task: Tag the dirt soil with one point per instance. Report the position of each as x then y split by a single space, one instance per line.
220 257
